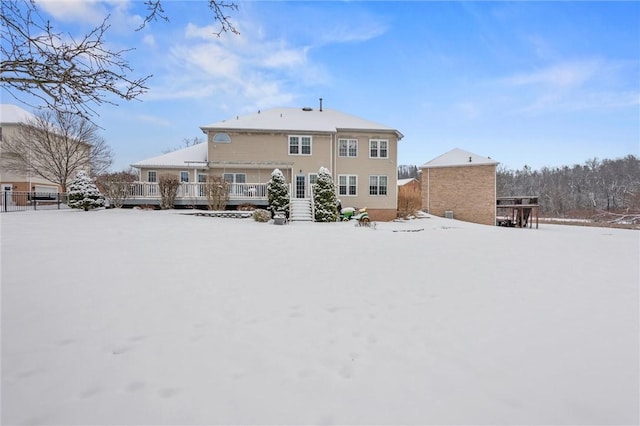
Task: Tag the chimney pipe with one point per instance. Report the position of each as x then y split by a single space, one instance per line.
320 104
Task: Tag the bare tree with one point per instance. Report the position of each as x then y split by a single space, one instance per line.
116 186
56 146
72 74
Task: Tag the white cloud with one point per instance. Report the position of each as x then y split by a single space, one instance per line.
91 12
572 86
562 76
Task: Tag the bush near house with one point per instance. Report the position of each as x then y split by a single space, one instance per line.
261 215
324 197
278 193
409 200
169 185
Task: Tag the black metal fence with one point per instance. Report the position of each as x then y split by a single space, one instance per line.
15 201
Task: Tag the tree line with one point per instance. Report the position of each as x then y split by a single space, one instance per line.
596 185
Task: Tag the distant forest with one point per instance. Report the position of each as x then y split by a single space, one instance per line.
596 185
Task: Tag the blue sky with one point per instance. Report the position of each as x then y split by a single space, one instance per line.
535 83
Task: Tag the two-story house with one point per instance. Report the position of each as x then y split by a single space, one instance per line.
12 118
361 154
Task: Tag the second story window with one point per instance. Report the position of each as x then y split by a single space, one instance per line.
299 145
378 148
152 176
184 176
348 147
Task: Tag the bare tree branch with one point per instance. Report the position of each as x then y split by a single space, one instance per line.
73 74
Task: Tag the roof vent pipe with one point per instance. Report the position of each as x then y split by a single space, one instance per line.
320 104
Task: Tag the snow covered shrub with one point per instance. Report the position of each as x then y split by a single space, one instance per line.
83 194
278 193
324 197
261 215
168 185
217 191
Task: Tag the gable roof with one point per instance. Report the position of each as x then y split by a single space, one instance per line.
459 157
298 120
191 154
402 182
10 113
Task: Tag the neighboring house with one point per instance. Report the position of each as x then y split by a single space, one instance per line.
244 150
11 117
461 185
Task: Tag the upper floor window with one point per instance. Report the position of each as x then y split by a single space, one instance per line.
348 185
152 176
184 176
222 138
347 147
378 148
299 145
378 185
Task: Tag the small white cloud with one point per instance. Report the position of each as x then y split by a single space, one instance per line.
91 12
152 119
149 40
562 75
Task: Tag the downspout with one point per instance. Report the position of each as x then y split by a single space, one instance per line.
428 192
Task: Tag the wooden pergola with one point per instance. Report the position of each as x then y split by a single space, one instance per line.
517 211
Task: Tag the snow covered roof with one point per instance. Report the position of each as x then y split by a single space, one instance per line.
10 113
402 182
298 120
179 158
459 157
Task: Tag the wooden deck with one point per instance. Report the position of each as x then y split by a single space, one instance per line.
517 211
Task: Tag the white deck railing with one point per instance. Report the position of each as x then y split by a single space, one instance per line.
237 191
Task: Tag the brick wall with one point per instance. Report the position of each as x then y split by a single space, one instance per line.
467 191
382 215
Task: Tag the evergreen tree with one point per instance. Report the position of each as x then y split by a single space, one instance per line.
278 193
324 197
83 193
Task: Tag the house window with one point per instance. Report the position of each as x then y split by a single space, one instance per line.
378 148
184 176
152 176
221 138
235 177
377 185
299 145
348 147
348 185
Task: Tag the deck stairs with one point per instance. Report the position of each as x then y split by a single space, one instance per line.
300 210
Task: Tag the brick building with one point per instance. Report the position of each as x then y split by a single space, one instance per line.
462 185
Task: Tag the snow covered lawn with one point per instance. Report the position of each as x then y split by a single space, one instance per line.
156 317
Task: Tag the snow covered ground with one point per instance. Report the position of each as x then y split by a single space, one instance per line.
156 317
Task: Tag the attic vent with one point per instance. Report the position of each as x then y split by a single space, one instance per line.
307 109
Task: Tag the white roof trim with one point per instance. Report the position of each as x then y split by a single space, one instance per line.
283 120
192 156
458 158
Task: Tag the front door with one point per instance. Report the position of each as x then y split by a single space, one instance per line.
301 186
